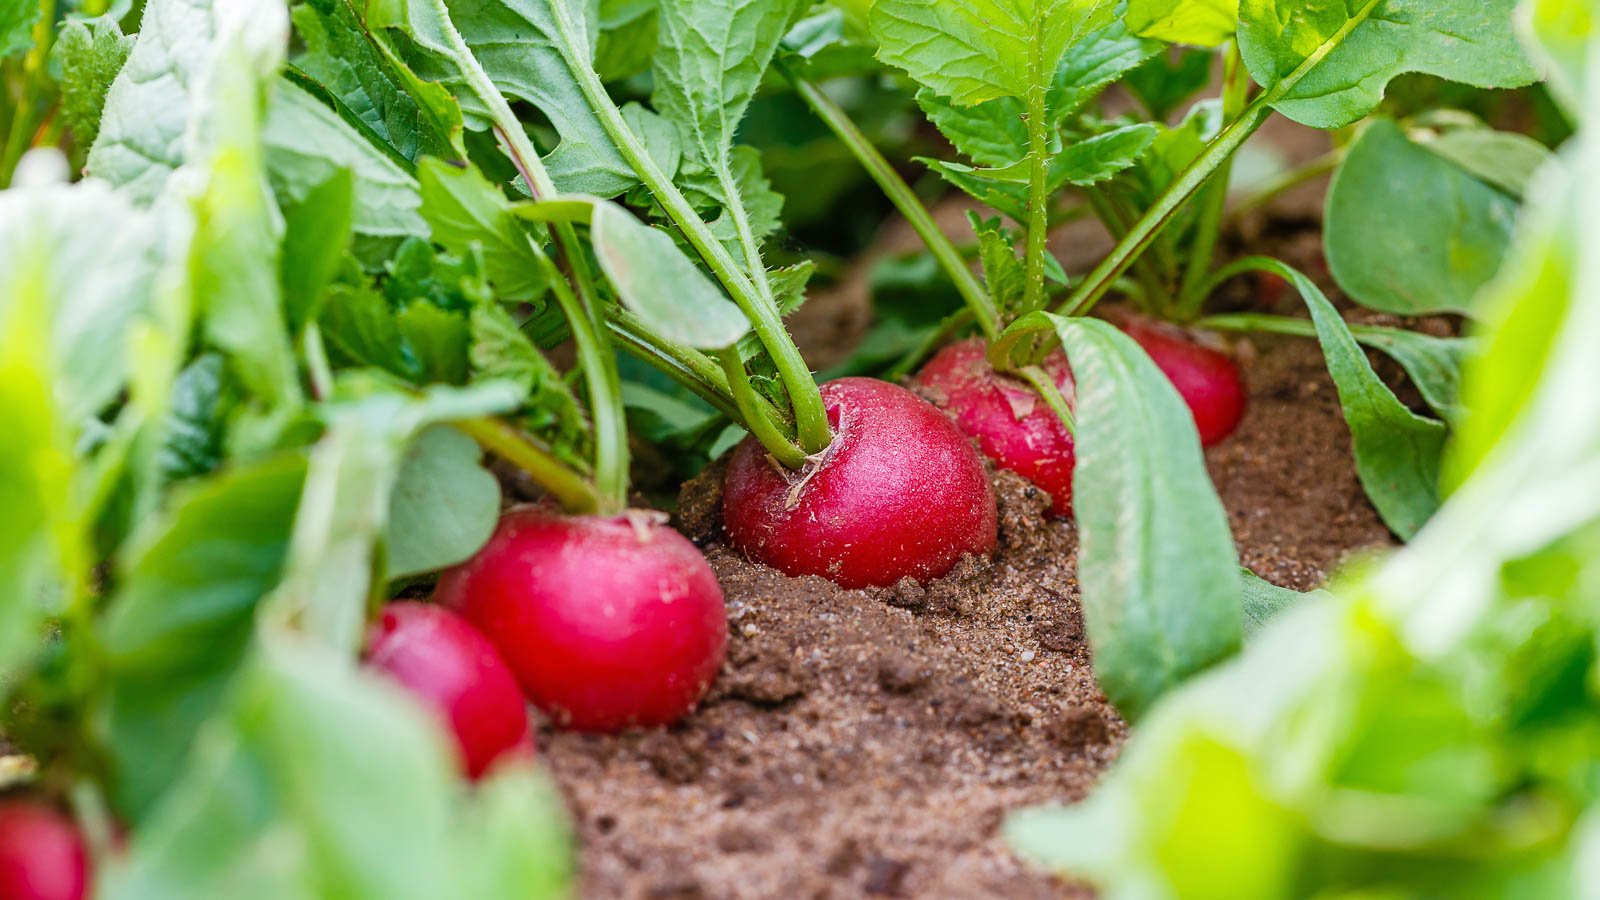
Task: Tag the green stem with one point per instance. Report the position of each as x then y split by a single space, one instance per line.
1219 151
586 320
904 199
1235 88
811 419
782 450
575 494
747 237
1051 392
319 373
1038 187
1287 181
688 367
1153 297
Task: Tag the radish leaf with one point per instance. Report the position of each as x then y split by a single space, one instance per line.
660 284
1408 231
1327 64
443 507
1205 23
462 207
1156 561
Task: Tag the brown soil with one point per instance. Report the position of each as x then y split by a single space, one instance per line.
869 743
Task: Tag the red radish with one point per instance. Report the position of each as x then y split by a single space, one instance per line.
1209 380
446 663
1011 424
607 622
42 854
900 492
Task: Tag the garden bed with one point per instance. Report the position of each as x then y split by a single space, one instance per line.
871 741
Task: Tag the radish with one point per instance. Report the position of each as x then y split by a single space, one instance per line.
899 493
42 854
608 622
1208 379
452 668
1011 424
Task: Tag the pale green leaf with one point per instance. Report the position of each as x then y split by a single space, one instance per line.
1204 23
307 143
660 284
90 52
1504 159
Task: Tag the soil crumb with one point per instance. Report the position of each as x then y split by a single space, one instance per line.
869 743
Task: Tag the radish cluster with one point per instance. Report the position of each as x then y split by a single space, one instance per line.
1016 429
603 623
42 854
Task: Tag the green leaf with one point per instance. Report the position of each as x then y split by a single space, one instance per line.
316 234
414 117
977 50
319 779
345 504
151 114
195 431
1204 23
1156 561
87 257
16 26
1004 274
1433 364
627 42
1326 64
1503 159
1093 160
1561 35
444 505
307 143
1262 600
517 46
462 208
990 134
1397 452
655 280
709 61
42 545
180 623
501 351
1166 81
90 53
438 341
1409 232
752 198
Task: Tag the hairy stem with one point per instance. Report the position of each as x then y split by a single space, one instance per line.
1039 128
811 420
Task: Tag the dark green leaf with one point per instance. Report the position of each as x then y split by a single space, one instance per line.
196 425
411 116
1409 232
316 234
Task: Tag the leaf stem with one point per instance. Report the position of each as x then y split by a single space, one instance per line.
689 367
1235 89
1219 151
1051 392
811 419
574 492
1153 297
587 321
1287 181
904 199
1034 296
782 450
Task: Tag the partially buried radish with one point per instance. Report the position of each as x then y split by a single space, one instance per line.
900 492
607 622
1011 424
441 659
42 854
1208 379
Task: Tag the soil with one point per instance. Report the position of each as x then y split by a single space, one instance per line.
869 743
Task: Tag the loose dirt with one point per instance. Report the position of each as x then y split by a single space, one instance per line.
869 743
